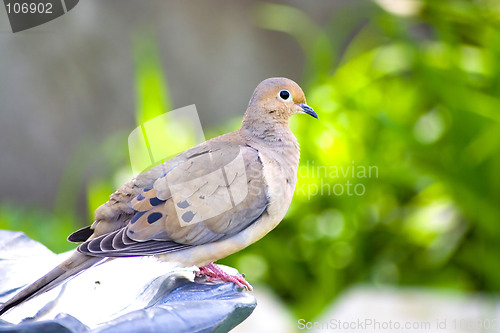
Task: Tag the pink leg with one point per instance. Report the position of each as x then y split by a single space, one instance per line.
214 273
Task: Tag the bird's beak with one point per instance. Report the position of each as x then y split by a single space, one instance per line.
309 110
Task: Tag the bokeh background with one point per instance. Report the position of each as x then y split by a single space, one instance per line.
399 184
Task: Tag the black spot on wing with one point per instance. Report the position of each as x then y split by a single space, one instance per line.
183 204
137 216
187 216
155 201
153 217
147 189
140 197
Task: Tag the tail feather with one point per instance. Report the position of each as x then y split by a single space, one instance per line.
72 266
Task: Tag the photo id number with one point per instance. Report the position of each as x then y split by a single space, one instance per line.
32 8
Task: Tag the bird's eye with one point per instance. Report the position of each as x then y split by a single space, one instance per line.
284 95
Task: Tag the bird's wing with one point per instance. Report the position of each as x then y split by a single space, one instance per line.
206 194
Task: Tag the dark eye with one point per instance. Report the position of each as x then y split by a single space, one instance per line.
284 95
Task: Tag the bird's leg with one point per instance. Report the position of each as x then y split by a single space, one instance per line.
214 273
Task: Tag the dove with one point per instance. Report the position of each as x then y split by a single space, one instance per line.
205 204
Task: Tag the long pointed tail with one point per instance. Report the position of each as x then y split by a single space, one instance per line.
75 264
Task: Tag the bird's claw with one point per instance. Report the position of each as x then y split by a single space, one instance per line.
212 272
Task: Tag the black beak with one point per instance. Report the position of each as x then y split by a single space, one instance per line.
309 110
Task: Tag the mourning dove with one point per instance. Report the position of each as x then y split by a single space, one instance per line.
202 205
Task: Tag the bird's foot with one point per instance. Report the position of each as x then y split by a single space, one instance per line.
212 272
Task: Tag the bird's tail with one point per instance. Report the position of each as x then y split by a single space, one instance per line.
72 266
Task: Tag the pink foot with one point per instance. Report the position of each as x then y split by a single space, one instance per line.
215 273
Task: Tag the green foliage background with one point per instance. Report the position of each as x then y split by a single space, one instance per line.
415 98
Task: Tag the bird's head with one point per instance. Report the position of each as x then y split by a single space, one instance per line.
278 99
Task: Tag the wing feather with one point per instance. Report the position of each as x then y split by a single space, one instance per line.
128 247
207 194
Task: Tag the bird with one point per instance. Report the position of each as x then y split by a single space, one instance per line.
202 205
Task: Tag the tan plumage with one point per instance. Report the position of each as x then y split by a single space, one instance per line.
204 204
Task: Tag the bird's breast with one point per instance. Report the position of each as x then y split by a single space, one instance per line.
280 173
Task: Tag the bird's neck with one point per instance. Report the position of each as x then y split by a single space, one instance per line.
274 132
276 137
